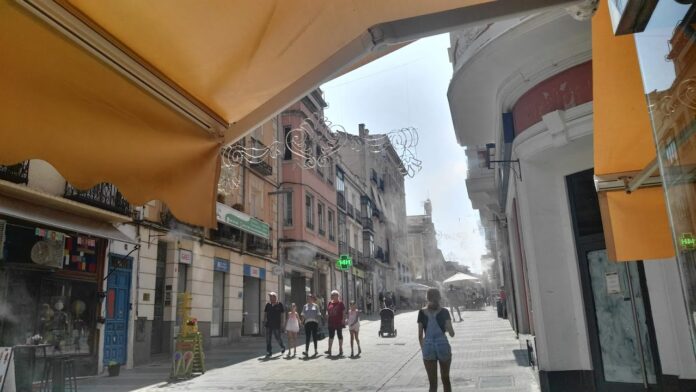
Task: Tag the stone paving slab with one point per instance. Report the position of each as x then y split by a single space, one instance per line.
483 360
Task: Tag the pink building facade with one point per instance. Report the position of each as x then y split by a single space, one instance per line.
309 243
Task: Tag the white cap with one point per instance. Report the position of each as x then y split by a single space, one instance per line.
272 294
334 292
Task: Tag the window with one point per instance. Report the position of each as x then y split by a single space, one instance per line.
288 153
287 220
332 231
320 218
309 211
340 182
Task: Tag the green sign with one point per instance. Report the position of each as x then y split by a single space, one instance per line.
344 263
242 221
687 241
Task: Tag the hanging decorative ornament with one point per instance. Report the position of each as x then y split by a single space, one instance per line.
315 141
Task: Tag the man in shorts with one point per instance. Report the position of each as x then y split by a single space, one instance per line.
336 315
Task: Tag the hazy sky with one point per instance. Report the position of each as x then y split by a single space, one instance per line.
408 88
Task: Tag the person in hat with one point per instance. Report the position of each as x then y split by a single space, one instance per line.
274 322
311 314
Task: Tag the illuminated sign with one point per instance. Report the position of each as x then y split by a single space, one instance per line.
344 263
687 241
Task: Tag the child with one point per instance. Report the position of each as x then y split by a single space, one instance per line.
292 325
353 323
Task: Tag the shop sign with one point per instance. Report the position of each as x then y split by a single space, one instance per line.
359 273
613 283
687 241
221 265
229 216
185 256
254 272
344 263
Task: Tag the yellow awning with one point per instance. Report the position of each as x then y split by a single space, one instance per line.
142 94
635 224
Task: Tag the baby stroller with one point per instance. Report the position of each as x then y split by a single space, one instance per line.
386 328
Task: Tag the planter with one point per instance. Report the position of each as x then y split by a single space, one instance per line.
114 370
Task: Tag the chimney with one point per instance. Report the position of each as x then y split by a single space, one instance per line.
362 131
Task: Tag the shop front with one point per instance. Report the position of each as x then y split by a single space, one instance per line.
55 300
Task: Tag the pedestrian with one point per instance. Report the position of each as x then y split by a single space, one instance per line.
453 297
353 323
336 311
292 325
310 318
433 321
274 322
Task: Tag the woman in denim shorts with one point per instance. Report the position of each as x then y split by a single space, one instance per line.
433 321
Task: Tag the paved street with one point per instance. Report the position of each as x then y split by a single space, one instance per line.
483 348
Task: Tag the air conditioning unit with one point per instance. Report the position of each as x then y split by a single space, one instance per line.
3 230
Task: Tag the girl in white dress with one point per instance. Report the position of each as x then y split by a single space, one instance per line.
292 325
353 323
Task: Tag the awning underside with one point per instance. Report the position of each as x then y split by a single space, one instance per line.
142 94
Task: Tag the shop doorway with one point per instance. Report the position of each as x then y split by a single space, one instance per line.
158 316
251 306
298 293
117 309
617 307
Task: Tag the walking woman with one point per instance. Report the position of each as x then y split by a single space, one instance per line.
310 319
353 323
433 321
292 325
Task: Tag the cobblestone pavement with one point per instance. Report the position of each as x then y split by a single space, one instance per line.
484 349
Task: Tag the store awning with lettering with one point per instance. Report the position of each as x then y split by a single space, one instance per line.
237 219
631 199
143 94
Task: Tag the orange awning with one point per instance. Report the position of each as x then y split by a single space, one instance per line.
636 225
142 94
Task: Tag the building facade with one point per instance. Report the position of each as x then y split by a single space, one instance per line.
309 243
586 321
425 258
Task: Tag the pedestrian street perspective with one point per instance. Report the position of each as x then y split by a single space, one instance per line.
399 195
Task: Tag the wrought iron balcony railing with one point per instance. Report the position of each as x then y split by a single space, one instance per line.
367 224
227 235
350 211
341 200
258 245
104 196
263 164
19 173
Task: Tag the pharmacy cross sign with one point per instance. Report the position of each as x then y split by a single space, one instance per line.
344 263
687 241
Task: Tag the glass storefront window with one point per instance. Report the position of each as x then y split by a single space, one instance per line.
667 56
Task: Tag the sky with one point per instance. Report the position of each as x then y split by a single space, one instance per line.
408 88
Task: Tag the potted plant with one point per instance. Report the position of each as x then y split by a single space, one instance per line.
114 368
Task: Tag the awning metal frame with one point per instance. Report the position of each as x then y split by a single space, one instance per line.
630 181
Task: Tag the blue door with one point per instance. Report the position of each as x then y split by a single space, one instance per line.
117 308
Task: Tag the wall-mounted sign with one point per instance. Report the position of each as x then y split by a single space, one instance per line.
344 263
613 283
687 241
254 272
359 273
185 256
221 265
229 216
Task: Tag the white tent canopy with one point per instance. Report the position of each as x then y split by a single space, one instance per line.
460 277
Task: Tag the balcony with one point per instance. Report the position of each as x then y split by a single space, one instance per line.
322 232
350 211
379 255
104 196
261 164
258 245
367 224
19 173
341 200
227 235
